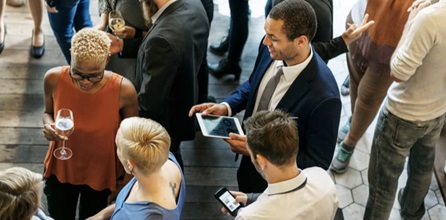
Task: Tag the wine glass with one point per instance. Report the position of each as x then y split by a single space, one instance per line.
115 20
64 126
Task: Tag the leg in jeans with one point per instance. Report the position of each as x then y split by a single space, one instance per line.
62 198
63 23
91 201
238 31
395 139
419 170
82 17
385 166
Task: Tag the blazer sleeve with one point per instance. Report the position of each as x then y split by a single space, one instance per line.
157 80
239 98
131 46
330 49
322 130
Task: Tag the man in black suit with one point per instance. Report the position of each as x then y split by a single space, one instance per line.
168 61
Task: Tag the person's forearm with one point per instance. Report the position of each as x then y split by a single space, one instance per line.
103 22
105 213
47 118
130 48
330 49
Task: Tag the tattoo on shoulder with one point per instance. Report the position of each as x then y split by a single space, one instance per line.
173 186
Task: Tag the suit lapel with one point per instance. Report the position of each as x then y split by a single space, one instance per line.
300 86
171 8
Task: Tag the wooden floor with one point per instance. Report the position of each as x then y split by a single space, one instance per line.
209 164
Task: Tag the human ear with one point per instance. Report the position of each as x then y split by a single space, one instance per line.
261 160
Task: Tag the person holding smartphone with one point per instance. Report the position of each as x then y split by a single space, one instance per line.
273 143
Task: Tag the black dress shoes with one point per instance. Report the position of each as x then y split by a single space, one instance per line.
225 68
37 52
2 44
220 48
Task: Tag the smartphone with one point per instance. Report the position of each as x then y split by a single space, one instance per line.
227 200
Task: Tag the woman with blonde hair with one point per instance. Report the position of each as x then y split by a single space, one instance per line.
157 190
20 194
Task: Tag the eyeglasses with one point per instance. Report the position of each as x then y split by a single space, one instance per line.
94 78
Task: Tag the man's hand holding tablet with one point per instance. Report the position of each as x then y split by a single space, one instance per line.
237 141
218 126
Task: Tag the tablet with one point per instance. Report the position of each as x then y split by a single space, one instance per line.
218 126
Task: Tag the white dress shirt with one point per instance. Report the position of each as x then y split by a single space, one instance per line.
290 73
161 10
315 199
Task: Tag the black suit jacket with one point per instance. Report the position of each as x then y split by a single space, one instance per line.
323 44
168 61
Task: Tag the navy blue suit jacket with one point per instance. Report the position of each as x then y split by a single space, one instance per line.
313 97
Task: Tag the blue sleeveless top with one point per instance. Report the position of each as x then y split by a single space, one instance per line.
148 210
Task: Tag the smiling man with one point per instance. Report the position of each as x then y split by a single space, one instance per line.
288 76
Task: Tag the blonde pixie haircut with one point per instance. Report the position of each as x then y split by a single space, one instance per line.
143 141
20 193
90 45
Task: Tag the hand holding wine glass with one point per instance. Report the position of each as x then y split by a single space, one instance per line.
64 126
115 20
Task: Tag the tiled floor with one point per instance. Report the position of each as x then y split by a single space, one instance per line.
353 185
209 163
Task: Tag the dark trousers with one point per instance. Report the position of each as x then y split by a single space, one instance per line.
63 199
203 74
175 149
238 29
249 180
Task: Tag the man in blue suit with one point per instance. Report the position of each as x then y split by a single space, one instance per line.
306 89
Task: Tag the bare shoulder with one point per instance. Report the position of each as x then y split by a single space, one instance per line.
127 87
174 170
51 76
128 99
53 72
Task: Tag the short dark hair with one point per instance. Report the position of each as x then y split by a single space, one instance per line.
298 16
273 134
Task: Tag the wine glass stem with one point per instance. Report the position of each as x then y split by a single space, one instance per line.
62 151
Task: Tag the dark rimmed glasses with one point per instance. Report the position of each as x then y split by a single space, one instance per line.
94 78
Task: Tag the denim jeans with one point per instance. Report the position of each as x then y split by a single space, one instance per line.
72 14
394 140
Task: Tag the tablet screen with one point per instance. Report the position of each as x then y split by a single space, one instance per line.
220 126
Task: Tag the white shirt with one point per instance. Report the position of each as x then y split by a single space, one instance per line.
420 62
161 10
290 73
316 200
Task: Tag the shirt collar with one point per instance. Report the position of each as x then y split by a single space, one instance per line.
292 72
161 10
285 186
